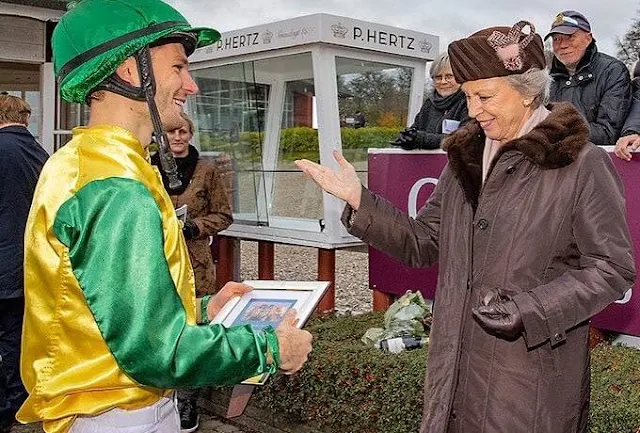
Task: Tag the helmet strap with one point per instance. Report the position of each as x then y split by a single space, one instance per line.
146 92
148 86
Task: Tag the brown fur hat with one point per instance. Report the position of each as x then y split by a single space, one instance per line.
497 52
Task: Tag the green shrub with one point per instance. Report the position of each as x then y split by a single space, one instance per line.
348 387
298 142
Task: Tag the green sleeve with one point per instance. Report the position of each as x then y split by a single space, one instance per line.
113 230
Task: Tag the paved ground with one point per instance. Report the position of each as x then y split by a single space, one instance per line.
208 424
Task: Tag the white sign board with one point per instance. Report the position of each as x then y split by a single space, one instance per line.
322 28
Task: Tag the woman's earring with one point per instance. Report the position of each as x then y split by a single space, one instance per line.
527 102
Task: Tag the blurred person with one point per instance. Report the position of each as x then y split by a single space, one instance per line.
597 84
21 160
630 139
440 114
112 322
527 224
208 212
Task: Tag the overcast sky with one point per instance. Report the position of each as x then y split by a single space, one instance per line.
449 19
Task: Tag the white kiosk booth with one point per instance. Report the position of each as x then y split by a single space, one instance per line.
302 88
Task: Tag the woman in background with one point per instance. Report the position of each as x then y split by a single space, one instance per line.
208 212
441 113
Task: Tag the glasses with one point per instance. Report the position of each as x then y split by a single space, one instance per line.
445 77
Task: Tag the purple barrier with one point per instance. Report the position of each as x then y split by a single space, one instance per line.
407 179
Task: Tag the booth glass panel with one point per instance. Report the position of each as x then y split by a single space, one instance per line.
373 102
229 115
296 202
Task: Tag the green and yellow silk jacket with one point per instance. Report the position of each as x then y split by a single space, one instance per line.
110 318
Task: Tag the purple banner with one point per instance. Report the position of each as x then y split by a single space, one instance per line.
407 179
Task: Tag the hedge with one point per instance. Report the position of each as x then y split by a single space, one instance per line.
298 141
347 386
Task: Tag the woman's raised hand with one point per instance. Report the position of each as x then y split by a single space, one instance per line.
343 183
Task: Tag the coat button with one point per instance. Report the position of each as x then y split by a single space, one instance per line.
557 337
511 169
580 78
568 83
482 224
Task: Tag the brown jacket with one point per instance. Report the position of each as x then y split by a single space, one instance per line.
547 228
208 206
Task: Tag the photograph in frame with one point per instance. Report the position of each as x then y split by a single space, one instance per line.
268 303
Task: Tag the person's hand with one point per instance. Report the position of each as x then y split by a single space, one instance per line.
190 229
626 145
499 316
407 139
228 291
343 183
295 344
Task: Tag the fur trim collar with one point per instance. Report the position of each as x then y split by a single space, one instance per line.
553 143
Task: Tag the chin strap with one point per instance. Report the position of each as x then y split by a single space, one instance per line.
146 92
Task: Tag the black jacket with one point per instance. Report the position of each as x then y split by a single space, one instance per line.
435 109
632 124
600 90
21 160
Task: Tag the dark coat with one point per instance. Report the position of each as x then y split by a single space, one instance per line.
632 124
21 160
548 229
208 207
429 119
600 90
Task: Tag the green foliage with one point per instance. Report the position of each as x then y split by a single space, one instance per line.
349 387
299 142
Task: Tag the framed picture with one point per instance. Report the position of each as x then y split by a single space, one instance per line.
267 304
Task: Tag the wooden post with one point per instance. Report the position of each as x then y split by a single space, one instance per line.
265 260
224 271
381 300
327 272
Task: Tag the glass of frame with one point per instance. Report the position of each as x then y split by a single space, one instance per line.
267 304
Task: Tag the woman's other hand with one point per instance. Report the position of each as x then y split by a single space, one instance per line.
343 183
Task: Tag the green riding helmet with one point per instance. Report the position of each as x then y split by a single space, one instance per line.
96 36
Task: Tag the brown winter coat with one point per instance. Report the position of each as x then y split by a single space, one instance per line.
548 229
208 206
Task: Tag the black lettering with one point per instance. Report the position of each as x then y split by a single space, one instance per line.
357 32
371 35
401 41
219 45
227 43
242 40
255 39
235 42
392 40
410 47
382 38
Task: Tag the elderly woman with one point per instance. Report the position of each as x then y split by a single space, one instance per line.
528 226
440 114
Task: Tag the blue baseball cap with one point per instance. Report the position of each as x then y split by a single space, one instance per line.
569 22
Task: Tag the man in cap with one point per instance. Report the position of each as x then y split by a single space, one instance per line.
598 85
112 323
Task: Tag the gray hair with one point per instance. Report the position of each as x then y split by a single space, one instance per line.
534 84
442 61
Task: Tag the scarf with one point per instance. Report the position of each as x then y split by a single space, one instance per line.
186 168
492 146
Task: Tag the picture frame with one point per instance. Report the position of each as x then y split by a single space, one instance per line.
267 304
